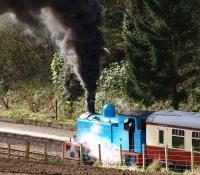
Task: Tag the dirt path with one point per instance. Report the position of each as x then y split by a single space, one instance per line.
21 167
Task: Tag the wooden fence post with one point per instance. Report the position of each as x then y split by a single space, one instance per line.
56 109
27 152
45 152
143 157
121 156
99 147
192 159
63 151
166 158
9 150
81 154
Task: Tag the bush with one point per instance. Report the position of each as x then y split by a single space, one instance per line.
56 67
114 77
111 87
154 167
196 171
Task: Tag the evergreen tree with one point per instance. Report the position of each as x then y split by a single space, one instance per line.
161 50
112 29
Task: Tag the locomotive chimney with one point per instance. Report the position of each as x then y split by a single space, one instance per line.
91 102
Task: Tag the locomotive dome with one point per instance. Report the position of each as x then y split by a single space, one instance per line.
175 118
109 110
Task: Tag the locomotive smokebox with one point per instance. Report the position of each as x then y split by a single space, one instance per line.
109 111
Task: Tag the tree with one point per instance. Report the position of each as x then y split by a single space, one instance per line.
23 58
112 29
69 87
114 78
162 52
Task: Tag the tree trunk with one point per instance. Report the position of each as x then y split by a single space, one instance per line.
5 102
175 104
175 99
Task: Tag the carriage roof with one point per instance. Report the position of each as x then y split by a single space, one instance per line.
175 118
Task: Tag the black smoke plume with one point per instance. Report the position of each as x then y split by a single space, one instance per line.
75 25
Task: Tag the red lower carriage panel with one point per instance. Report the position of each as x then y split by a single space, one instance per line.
174 155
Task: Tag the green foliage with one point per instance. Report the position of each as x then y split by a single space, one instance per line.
140 63
111 88
22 56
69 87
122 103
196 171
114 77
193 99
56 67
79 106
37 97
154 167
4 87
112 29
20 111
162 65
162 53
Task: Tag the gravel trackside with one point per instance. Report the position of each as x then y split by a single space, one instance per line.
21 167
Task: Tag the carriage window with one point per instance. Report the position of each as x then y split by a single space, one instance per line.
161 136
196 140
178 140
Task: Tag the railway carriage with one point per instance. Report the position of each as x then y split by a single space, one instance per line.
177 130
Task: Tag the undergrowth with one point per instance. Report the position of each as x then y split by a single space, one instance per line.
20 110
154 168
